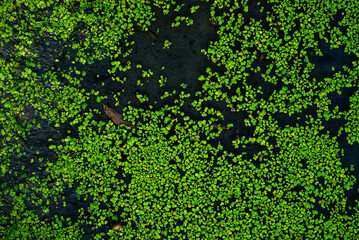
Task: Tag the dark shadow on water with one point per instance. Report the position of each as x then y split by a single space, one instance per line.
336 58
342 100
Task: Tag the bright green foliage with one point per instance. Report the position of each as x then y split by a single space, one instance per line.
352 117
169 175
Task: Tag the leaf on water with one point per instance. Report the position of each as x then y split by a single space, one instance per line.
152 35
115 116
261 58
10 232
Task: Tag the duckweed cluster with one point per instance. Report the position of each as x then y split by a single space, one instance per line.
213 162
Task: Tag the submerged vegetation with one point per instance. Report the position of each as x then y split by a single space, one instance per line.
253 147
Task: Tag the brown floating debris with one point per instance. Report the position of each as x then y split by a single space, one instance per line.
152 35
115 116
278 26
116 226
261 58
216 126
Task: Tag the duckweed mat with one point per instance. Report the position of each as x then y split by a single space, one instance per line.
163 119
